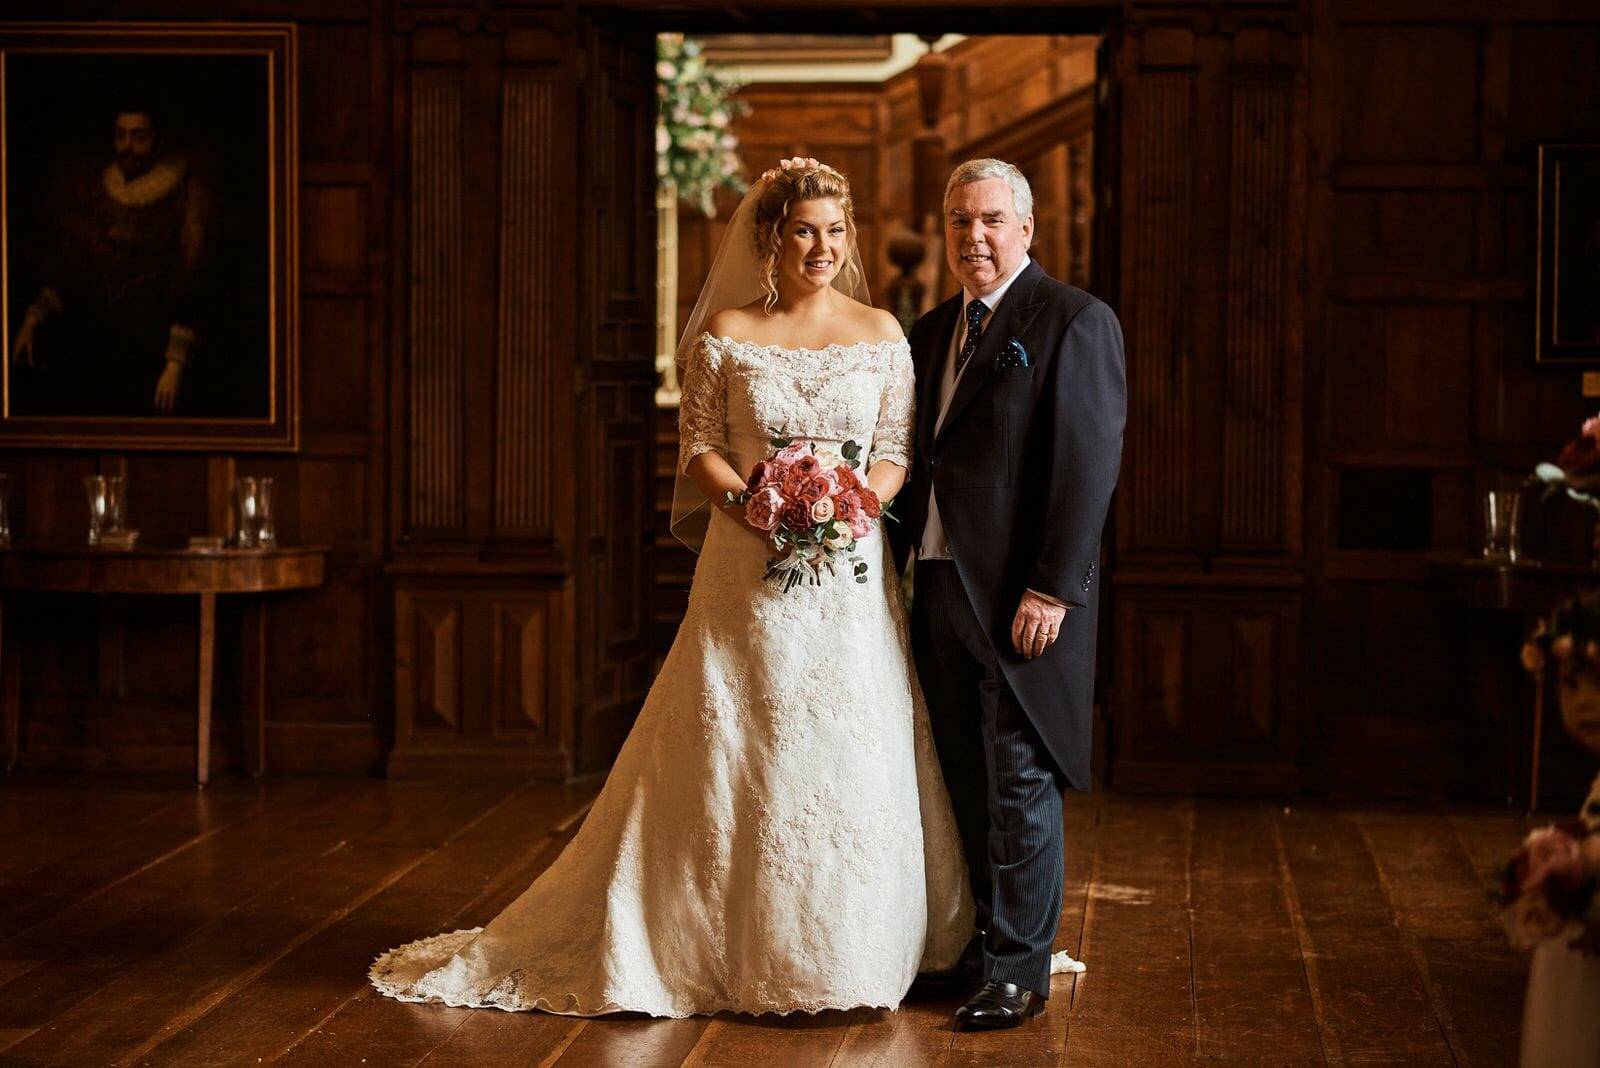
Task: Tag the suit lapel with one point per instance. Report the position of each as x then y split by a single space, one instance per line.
930 370
1015 314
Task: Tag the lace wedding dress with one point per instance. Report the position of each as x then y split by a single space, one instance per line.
775 835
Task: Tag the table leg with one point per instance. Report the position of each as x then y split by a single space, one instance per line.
208 645
255 660
10 695
1538 735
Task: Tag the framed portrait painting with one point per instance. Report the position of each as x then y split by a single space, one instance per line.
1568 284
148 269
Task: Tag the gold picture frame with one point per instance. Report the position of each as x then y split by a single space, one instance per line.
149 272
1567 284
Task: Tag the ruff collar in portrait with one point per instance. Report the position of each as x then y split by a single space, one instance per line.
153 185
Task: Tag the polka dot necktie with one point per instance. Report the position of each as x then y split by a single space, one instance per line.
975 312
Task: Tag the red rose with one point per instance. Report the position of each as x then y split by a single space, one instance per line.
870 503
806 465
846 478
1580 457
761 474
847 505
807 488
796 515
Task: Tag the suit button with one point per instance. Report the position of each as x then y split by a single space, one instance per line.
935 462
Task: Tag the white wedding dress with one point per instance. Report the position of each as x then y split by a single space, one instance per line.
775 835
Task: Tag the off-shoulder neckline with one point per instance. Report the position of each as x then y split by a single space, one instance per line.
835 347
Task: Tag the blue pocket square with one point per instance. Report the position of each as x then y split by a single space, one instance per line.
1013 357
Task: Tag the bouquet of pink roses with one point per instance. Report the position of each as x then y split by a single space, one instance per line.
1549 888
814 508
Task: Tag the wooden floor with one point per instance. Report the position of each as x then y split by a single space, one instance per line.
142 922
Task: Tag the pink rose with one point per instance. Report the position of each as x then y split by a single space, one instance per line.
761 510
847 505
1531 920
790 453
796 515
1552 855
822 510
763 473
860 526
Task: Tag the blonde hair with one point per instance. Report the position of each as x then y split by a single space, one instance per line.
786 187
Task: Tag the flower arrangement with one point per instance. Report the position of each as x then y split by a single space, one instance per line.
1569 635
695 144
1577 468
814 508
1549 888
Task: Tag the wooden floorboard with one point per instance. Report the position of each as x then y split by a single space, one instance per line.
1376 1006
44 820
412 891
1135 1003
1250 993
154 924
1452 930
515 844
185 968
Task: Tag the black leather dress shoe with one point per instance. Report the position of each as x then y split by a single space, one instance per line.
998 1005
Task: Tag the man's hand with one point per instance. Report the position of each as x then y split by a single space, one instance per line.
22 350
167 388
1036 626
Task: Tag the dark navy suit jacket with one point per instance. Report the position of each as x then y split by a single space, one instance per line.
1025 463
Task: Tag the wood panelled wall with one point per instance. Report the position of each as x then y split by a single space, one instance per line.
1314 218
1419 343
476 277
524 393
109 683
1326 234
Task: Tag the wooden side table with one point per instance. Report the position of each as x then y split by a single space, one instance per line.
54 568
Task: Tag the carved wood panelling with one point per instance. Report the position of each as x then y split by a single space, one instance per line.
521 668
524 397
434 629
1080 208
1255 669
1208 680
437 491
1253 413
1160 440
617 406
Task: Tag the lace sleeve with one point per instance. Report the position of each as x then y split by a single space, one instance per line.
703 406
891 440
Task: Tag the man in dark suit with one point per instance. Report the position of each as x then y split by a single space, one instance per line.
1021 400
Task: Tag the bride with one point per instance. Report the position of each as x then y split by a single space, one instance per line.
775 835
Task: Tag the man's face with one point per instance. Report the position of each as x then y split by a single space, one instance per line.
136 143
984 241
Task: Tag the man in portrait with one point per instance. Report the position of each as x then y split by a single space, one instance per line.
117 323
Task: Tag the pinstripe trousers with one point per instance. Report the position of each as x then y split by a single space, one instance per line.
1003 784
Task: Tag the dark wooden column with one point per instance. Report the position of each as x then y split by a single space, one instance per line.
1208 522
523 400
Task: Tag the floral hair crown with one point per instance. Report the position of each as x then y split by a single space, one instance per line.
798 164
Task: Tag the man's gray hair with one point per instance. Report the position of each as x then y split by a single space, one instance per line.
976 170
